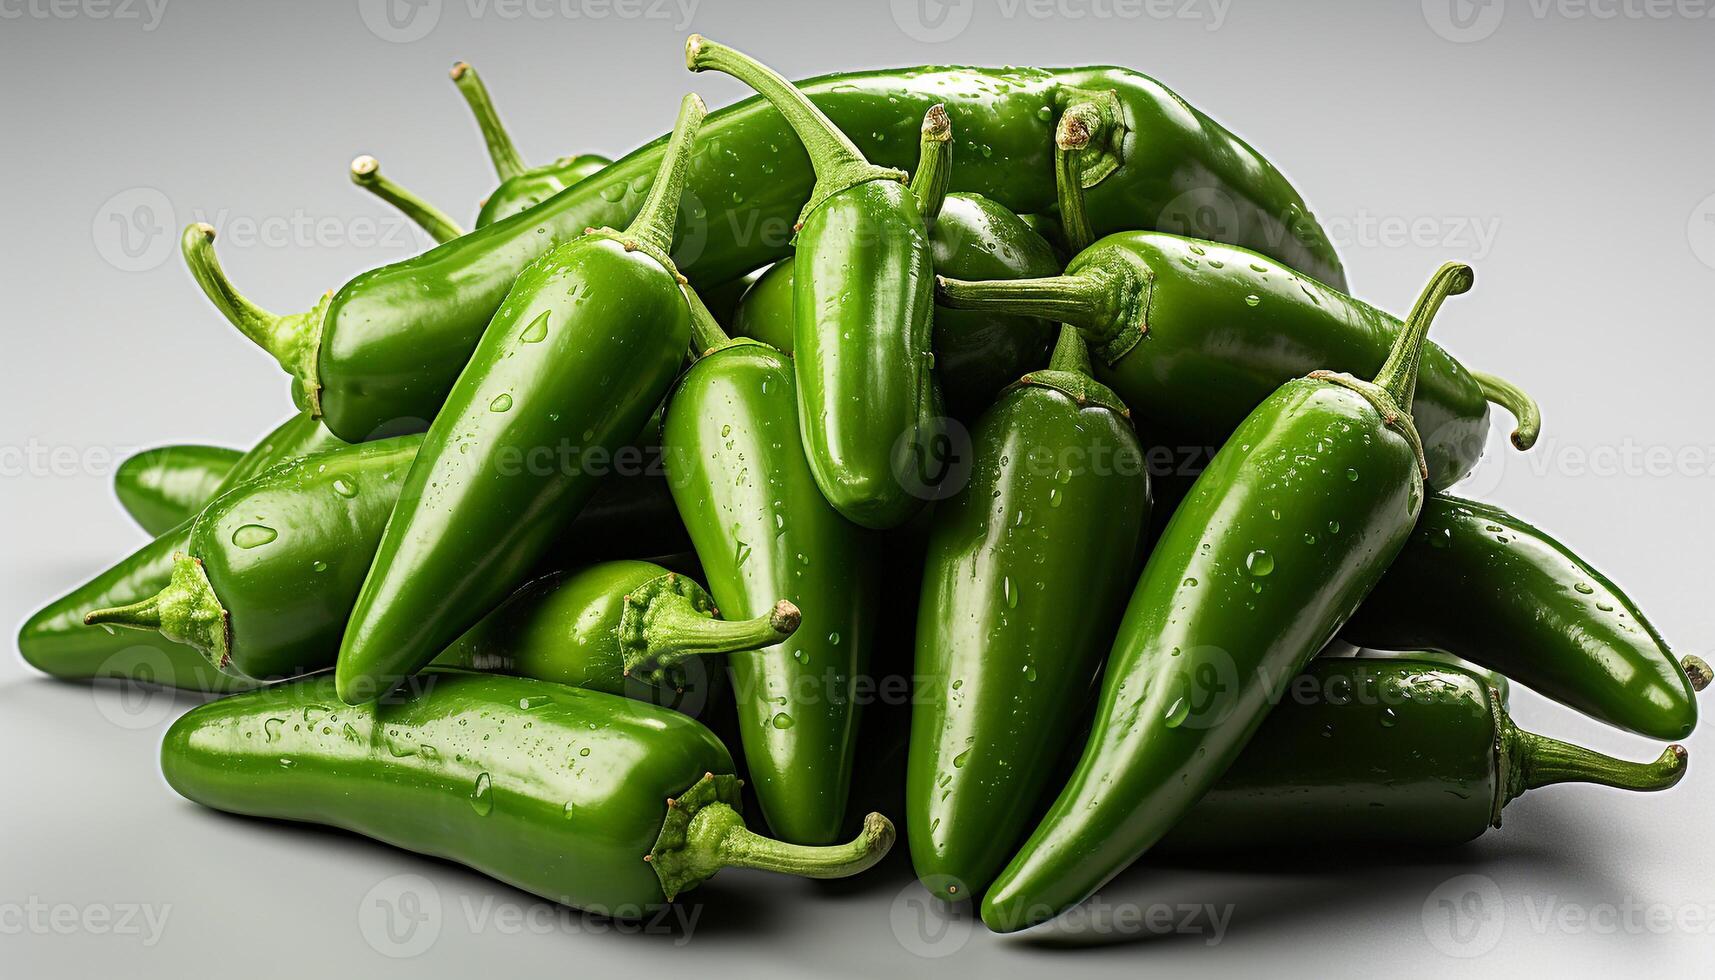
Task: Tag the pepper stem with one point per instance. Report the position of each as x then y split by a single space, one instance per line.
1092 303
934 162
655 221
837 161
706 333
1697 671
1398 374
671 619
1538 760
1071 354
507 162
1514 399
366 173
1071 138
187 611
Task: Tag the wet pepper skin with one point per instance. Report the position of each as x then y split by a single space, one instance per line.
161 487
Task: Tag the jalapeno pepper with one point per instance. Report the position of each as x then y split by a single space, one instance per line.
971 237
762 531
583 798
521 186
1476 582
579 356
1292 524
267 578
389 345
1390 752
1193 335
1502 685
1023 586
161 487
56 641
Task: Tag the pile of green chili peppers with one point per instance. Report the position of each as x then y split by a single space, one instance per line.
617 512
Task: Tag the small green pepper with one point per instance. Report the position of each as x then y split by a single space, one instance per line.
161 487
578 357
1292 524
1378 752
594 801
861 300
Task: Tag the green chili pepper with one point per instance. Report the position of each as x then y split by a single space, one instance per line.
762 531
366 173
1193 335
1476 582
266 580
583 798
580 354
1023 586
1388 752
861 301
1502 685
388 347
161 487
970 237
521 186
1282 536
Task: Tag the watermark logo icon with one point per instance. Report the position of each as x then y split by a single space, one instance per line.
1700 231
139 701
401 916
932 21
927 926
1464 21
135 229
400 21
1465 916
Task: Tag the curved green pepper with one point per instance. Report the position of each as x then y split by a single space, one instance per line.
579 356
388 346
1194 335
763 531
1023 586
1476 582
594 801
1282 536
1390 751
161 487
56 641
970 237
861 302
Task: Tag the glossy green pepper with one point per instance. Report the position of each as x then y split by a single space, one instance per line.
579 356
1023 586
161 487
763 531
1292 524
1193 335
56 641
387 347
1390 752
861 300
1476 582
1502 685
594 801
970 237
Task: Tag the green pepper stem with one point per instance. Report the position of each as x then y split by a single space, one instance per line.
185 611
675 630
1538 760
730 844
707 335
1092 303
837 161
1071 354
366 173
1398 374
1071 138
1697 671
934 162
656 219
507 162
1511 397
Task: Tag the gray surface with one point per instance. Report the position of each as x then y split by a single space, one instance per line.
1578 145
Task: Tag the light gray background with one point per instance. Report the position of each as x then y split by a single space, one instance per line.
1562 146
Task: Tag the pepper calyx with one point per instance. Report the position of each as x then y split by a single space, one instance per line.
1081 388
683 857
1385 406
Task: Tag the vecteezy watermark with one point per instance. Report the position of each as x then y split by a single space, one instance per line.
1469 21
403 916
934 21
927 926
1471 236
35 917
1700 231
404 21
140 699
138 228
147 13
1467 915
1464 916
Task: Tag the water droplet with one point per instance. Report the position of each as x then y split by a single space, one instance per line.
566 811
533 701
783 720
1351 475
833 639
344 487
962 758
537 330
1259 563
1178 711
1253 300
1585 588
501 403
253 536
1029 673
584 752
1333 527
1190 582
271 729
1009 591
482 796
1389 718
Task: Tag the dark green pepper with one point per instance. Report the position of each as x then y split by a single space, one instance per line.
161 487
1023 586
763 531
1502 685
594 801
1476 582
1292 524
56 641
578 357
861 300
970 237
388 346
1390 752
